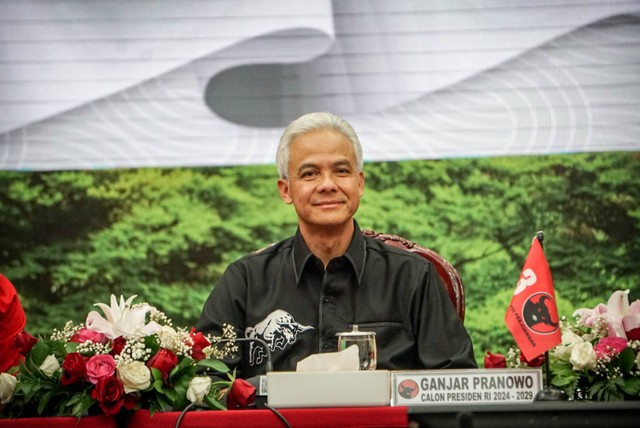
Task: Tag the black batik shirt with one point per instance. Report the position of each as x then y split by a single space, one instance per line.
284 296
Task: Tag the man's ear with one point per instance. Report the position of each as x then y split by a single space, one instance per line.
283 189
361 182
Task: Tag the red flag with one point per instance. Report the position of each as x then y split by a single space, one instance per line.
532 316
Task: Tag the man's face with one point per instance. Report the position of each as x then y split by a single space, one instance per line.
324 184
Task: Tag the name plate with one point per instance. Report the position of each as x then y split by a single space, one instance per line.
464 386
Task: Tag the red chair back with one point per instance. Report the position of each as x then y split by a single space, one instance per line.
447 272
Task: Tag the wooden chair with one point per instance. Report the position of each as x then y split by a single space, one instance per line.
447 272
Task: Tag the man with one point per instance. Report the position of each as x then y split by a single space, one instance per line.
298 293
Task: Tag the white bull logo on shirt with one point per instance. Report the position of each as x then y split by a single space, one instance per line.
278 330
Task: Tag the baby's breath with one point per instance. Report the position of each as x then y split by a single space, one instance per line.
91 348
134 350
159 317
222 346
67 332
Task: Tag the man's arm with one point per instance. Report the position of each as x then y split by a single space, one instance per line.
226 305
443 342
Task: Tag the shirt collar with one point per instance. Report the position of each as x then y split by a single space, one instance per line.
356 253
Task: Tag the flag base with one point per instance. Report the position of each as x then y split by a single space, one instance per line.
551 394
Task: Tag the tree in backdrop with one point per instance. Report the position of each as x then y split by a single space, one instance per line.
71 238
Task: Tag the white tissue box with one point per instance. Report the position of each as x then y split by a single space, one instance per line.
329 389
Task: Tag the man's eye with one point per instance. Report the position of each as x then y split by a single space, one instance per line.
343 171
307 174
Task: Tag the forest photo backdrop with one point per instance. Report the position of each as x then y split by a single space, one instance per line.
71 238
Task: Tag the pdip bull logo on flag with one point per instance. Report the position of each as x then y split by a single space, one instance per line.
532 316
538 313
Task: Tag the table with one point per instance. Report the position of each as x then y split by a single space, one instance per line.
60 422
537 414
544 414
372 417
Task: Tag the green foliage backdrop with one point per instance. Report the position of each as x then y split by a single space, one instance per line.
69 239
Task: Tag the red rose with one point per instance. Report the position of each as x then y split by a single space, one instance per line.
633 334
24 342
74 368
536 362
131 401
118 345
164 360
199 343
610 346
241 395
494 361
109 393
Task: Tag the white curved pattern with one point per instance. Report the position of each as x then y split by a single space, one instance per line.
168 83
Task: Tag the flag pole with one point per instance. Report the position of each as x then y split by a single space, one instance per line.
548 393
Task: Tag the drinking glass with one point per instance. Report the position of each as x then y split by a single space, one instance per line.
366 343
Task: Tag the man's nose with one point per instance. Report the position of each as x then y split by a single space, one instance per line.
327 183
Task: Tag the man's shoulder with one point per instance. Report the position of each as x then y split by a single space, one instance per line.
378 247
276 249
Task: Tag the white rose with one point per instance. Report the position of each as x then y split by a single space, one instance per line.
134 375
570 338
583 356
7 386
50 365
198 389
561 352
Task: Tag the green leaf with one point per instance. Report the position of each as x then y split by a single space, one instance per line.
75 398
158 386
632 386
213 403
39 352
157 374
71 347
626 360
76 410
171 394
44 400
216 365
163 403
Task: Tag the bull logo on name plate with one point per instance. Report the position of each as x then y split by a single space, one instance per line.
408 389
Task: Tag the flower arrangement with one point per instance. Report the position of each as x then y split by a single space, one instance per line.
599 357
130 358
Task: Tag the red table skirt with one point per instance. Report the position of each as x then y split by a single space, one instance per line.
320 417
60 422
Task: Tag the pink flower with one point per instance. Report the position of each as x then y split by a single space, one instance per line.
620 317
100 366
86 335
610 346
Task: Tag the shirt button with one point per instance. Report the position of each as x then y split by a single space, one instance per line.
327 300
325 346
